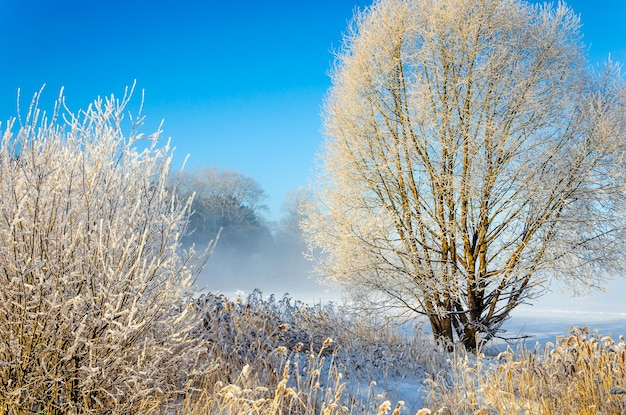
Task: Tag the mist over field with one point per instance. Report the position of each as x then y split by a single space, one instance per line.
280 272
253 253
273 272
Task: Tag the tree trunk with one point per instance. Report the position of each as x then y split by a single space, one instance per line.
468 339
442 331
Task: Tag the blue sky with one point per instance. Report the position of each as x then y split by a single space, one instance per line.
238 83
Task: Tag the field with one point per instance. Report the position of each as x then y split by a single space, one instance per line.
280 356
99 311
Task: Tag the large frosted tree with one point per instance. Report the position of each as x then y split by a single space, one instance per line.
471 154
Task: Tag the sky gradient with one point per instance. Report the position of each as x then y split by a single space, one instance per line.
239 84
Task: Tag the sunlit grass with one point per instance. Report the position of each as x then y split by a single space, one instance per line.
583 373
264 365
270 357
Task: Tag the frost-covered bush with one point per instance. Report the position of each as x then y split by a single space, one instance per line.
93 285
583 373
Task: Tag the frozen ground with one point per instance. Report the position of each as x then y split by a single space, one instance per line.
549 316
554 313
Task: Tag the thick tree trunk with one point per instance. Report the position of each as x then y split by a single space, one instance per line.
468 339
442 331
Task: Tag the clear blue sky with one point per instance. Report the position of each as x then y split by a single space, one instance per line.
238 83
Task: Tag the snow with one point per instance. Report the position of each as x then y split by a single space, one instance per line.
549 317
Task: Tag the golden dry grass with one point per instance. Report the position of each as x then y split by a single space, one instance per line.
277 357
583 373
271 358
307 383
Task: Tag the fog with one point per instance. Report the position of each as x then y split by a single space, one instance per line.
554 313
281 270
276 270
284 270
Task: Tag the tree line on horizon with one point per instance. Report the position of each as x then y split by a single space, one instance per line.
229 207
232 204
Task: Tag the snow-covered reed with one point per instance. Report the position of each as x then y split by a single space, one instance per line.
283 356
583 373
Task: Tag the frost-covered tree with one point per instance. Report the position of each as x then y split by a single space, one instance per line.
226 202
93 284
471 154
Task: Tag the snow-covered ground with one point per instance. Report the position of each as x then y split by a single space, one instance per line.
548 317
544 325
554 313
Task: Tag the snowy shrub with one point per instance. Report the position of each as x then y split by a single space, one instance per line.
93 285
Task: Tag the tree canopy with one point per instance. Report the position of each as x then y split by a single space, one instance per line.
471 154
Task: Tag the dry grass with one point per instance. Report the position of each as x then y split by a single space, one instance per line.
270 357
303 383
584 373
276 357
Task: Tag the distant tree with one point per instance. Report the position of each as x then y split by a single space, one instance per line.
289 239
288 228
93 285
226 200
470 155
